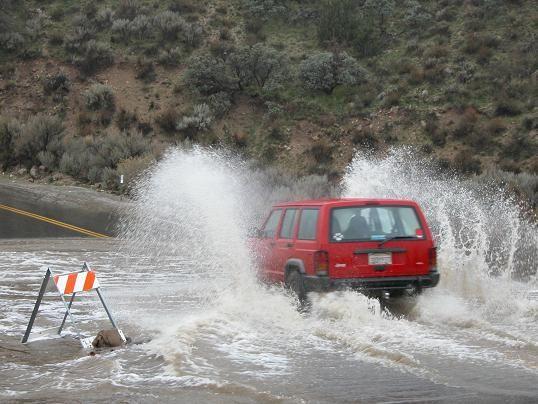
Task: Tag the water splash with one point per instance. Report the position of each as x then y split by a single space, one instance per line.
197 206
488 253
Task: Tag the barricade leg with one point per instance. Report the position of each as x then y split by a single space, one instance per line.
36 306
106 308
66 313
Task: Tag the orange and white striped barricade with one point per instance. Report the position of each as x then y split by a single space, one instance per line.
71 284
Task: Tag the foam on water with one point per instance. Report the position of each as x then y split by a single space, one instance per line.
196 205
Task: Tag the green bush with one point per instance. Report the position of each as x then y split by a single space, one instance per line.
9 130
185 6
170 57
338 21
94 56
121 28
258 65
210 75
325 71
57 83
110 178
199 121
48 159
169 25
11 41
95 159
34 27
141 27
379 11
39 133
104 18
416 16
128 9
83 29
264 8
507 106
99 97
361 24
220 104
520 146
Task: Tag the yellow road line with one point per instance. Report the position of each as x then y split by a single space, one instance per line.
54 222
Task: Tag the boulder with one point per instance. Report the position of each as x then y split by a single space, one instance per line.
107 339
34 172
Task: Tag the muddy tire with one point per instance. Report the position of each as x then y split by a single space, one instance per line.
295 283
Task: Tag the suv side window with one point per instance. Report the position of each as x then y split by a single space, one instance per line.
269 230
288 223
308 224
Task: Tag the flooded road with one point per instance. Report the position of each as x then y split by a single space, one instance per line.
181 283
185 349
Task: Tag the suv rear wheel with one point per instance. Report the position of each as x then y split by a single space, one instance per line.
295 283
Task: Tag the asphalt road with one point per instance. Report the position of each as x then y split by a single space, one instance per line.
85 208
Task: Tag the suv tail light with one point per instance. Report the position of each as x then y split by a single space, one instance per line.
433 257
321 263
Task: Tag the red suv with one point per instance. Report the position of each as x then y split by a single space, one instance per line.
382 247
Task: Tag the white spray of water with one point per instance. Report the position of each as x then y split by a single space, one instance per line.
484 244
196 205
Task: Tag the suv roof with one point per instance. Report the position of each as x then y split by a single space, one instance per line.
346 202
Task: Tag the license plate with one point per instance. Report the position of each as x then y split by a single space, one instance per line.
379 258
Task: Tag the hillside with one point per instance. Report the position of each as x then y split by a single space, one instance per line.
93 89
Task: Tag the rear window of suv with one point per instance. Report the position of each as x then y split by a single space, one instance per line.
370 223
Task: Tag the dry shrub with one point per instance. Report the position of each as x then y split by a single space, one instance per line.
507 106
494 126
167 121
125 119
434 74
466 162
131 168
145 70
365 138
39 133
240 140
464 123
392 98
416 75
321 152
437 51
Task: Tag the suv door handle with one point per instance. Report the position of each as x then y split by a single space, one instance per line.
289 245
272 243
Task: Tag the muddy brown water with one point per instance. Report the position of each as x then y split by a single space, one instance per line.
187 351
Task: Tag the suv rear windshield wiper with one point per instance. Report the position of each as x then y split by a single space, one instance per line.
393 238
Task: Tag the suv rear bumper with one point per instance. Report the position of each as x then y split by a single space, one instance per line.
388 283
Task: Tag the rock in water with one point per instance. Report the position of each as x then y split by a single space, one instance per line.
107 339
